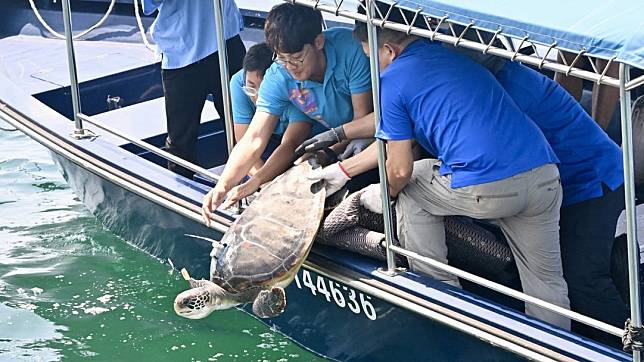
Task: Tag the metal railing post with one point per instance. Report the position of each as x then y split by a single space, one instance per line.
382 170
223 75
629 194
71 62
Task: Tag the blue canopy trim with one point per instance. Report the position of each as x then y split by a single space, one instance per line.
603 28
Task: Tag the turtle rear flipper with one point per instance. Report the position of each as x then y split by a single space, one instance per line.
270 303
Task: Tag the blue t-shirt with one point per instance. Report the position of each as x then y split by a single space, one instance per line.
458 112
588 156
184 30
329 103
244 109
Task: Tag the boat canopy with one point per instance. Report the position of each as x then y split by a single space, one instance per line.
601 28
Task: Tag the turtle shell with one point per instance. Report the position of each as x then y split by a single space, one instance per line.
273 236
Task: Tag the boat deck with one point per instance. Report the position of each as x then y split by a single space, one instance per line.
38 65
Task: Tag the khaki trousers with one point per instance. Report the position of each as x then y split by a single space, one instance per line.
526 207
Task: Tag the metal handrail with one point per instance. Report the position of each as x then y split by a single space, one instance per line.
71 63
149 147
510 292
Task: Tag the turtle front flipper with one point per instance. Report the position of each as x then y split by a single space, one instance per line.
270 303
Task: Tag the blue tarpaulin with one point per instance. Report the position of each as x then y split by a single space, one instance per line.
605 28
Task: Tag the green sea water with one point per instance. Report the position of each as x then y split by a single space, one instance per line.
71 290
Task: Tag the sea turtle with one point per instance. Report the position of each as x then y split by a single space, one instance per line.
262 250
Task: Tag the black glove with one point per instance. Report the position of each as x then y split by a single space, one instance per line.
323 140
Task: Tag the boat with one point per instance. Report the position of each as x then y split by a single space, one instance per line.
97 106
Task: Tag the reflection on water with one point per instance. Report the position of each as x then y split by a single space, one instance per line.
70 289
24 334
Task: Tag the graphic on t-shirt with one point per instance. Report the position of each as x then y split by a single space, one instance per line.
305 100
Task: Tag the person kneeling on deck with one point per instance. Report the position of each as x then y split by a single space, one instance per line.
324 74
244 87
454 108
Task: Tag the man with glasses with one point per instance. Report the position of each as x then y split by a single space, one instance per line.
324 74
292 127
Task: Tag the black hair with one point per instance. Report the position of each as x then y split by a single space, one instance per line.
289 27
384 35
258 58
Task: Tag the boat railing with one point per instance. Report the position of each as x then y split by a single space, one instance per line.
434 29
149 147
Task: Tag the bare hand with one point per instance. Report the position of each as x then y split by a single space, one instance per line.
239 192
211 202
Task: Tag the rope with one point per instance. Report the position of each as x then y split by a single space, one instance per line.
61 36
141 29
8 129
99 23
632 339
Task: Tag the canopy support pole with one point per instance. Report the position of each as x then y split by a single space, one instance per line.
223 75
382 170
73 77
629 194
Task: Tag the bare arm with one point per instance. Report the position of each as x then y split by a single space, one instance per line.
400 164
241 159
240 130
248 150
362 104
362 162
281 159
362 125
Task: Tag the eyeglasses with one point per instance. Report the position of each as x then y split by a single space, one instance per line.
249 91
297 63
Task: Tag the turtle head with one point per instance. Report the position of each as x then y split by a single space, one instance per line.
197 303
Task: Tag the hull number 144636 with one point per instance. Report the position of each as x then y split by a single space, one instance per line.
356 302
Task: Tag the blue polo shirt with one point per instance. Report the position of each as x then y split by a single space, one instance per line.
244 108
458 111
184 30
329 103
588 156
